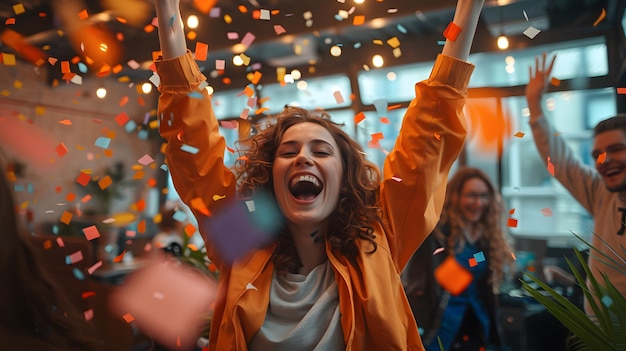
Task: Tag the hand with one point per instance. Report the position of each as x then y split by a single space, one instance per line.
539 78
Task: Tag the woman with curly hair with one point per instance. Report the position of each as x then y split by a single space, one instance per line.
331 281
471 233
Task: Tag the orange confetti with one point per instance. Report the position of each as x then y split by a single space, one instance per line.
83 179
70 197
472 262
358 20
66 217
393 107
190 230
550 166
141 226
119 257
204 6
437 136
384 120
359 117
123 100
512 222
377 136
601 158
141 205
128 318
65 67
10 21
202 51
452 276
83 15
519 134
555 82
66 122
452 31
511 211
600 18
242 9
61 150
261 110
105 182
621 91
256 77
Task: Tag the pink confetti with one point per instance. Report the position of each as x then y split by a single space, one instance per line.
547 212
145 160
397 179
60 242
338 97
248 39
91 232
232 35
75 257
88 314
278 29
220 64
440 249
94 267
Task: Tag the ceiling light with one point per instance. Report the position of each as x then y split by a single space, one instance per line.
192 21
335 51
237 60
378 61
503 42
101 93
146 88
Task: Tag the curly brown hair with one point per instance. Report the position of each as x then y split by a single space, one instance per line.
358 204
490 223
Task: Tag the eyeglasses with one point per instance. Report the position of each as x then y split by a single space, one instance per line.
477 196
612 150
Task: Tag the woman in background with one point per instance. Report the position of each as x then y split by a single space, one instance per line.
34 314
471 227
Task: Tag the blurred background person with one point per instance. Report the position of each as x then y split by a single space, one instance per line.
171 231
471 227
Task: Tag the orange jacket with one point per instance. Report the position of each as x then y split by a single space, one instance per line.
375 314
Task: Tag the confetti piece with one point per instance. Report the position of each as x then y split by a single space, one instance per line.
437 136
278 29
555 82
472 262
145 160
248 38
74 257
88 314
103 142
550 166
91 232
338 98
438 250
621 91
61 150
452 276
547 212
531 32
18 9
94 267
607 301
236 230
359 117
199 205
512 211
479 256
393 42
202 51
83 179
105 182
452 31
264 15
358 20
601 158
8 59
519 134
525 15
10 21
600 18
511 222
66 217
168 302
66 122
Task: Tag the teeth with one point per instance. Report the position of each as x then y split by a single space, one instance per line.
305 178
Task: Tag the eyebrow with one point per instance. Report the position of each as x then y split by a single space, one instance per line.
314 141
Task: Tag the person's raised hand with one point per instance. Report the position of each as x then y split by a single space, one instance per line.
539 79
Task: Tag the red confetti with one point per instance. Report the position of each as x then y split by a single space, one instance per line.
512 222
61 150
452 31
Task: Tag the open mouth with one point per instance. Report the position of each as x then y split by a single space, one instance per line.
305 187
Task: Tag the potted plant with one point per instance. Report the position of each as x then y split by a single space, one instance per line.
608 305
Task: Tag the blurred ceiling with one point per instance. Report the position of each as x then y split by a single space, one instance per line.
112 32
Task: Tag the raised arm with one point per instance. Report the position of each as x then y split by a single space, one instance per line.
466 17
171 34
539 78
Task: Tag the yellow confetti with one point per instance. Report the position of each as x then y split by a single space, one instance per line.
19 9
393 42
519 134
8 59
40 110
218 197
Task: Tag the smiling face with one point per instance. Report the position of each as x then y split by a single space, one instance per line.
609 150
307 174
474 199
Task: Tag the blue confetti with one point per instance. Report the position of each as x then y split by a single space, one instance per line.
401 29
607 301
30 188
18 188
82 67
130 126
180 216
142 134
357 45
190 149
441 42
479 256
338 17
103 142
195 95
164 167
78 274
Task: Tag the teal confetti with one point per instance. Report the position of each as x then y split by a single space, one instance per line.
479 256
401 29
357 45
195 95
30 188
142 134
607 301
172 19
180 216
103 142
78 274
441 42
18 188
130 126
82 67
164 167
190 149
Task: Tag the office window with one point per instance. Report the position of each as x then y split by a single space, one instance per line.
575 59
527 185
395 84
325 93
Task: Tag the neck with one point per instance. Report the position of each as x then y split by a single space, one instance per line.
311 248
